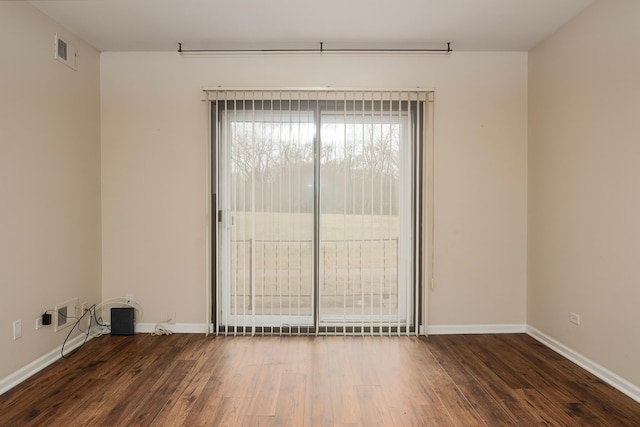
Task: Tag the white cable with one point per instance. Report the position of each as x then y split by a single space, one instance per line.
126 302
102 329
161 329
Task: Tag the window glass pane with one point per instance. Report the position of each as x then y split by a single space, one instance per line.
360 221
271 183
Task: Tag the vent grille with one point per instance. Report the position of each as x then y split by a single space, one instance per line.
62 49
64 314
65 53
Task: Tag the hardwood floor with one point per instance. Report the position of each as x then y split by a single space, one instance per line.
193 380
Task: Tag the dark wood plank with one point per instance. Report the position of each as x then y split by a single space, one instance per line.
193 380
468 367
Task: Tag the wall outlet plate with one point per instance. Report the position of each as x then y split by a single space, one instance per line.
574 318
17 329
86 320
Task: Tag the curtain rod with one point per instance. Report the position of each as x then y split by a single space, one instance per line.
417 89
321 49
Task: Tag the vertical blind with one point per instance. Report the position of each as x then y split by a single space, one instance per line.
319 205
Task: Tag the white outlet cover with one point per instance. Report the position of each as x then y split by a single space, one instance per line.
17 329
574 318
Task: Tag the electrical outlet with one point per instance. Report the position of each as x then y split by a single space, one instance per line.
86 322
574 318
39 322
171 317
129 298
17 329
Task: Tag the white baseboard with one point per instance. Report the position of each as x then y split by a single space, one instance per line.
178 328
39 364
476 329
599 371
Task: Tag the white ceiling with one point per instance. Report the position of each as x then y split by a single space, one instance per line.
159 25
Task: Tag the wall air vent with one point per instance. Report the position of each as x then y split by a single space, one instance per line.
65 314
65 53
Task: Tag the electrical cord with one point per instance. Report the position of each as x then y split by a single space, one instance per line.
161 329
77 325
100 327
123 302
63 315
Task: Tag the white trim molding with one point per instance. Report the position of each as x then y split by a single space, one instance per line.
178 328
476 329
587 364
12 380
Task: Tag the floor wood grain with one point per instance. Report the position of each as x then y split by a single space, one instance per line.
193 380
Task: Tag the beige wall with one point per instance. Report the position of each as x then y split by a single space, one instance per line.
49 181
584 186
154 169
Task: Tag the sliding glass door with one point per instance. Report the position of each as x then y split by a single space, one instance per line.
266 208
318 207
365 221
